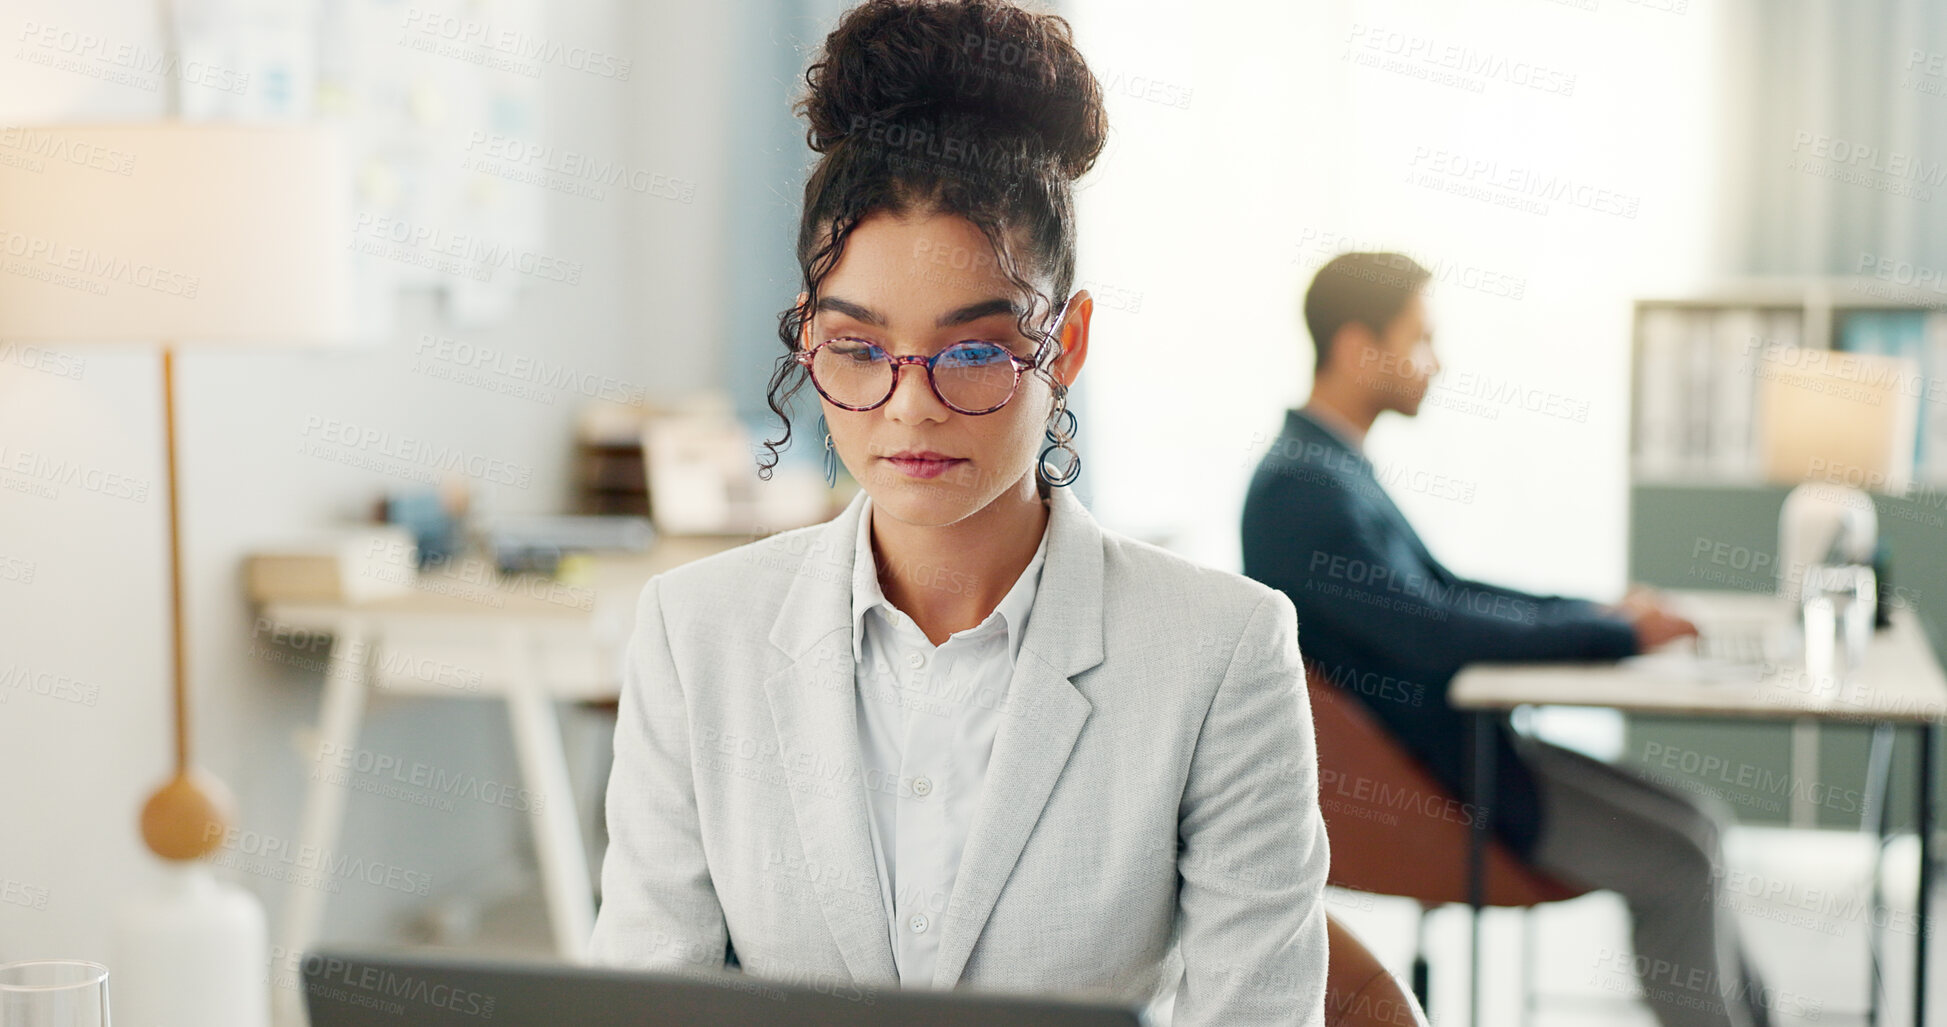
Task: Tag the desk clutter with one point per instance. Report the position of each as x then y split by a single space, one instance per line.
690 466
347 565
641 472
364 563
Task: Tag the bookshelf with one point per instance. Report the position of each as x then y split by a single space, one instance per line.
1697 405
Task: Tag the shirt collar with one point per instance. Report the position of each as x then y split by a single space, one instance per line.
1335 426
867 596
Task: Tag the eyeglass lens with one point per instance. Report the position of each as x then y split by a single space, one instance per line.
970 376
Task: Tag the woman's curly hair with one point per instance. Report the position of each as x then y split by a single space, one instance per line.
976 108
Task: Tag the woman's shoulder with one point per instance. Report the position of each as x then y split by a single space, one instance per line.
752 577
1137 571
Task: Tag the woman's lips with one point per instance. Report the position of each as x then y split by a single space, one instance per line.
922 468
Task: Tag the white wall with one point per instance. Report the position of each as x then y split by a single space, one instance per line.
1251 143
83 576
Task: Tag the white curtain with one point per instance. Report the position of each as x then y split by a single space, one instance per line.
1837 112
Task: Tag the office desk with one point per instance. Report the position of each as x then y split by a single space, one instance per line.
534 640
1899 683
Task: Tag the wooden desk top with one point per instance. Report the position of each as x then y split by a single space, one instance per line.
472 591
1900 680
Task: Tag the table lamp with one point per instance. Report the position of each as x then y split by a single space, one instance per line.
180 233
1835 425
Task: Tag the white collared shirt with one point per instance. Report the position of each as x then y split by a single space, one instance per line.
927 720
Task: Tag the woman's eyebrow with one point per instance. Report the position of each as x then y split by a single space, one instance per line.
851 310
976 311
964 315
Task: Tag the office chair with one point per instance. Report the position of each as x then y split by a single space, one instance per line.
1359 990
1413 849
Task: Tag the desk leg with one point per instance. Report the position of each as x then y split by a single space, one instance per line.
1482 781
557 832
1929 752
1874 818
339 712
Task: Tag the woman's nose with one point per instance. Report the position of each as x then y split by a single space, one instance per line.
912 393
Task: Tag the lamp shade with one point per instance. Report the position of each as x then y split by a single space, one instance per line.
1840 418
183 232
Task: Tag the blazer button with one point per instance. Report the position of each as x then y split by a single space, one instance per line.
920 923
922 786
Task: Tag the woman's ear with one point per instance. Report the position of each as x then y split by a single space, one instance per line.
804 324
1074 337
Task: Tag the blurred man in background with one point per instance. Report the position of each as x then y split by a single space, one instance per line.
1372 600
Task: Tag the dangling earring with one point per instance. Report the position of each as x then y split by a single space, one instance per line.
831 455
1059 435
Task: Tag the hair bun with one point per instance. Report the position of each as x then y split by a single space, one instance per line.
986 68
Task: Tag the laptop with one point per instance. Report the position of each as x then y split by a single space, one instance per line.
374 988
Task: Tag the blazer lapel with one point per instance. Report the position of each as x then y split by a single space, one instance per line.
1064 638
813 704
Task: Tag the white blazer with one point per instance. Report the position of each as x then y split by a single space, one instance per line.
1149 821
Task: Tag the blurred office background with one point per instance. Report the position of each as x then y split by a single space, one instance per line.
1553 163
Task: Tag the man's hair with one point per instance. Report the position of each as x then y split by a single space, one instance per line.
1359 288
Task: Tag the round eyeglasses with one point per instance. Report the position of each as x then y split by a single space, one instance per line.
970 377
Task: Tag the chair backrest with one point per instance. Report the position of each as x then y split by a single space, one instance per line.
1395 829
1359 990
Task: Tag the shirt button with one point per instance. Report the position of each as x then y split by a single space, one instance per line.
922 786
915 660
919 923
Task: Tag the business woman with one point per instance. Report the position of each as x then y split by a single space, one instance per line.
962 735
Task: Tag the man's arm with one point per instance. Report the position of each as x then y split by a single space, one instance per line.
1252 850
1650 623
1355 581
1546 608
1512 593
1553 609
659 907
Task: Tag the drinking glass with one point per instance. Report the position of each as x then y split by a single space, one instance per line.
54 993
1837 605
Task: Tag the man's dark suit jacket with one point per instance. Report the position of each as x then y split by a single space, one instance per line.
1379 616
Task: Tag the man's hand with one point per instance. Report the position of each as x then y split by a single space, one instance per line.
1654 623
1656 627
